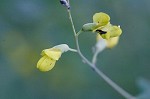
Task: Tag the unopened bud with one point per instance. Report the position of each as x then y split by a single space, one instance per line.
89 26
65 3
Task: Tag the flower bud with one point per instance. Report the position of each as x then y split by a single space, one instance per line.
89 26
65 3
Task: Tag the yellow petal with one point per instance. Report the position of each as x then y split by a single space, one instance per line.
112 42
101 18
115 31
45 63
52 53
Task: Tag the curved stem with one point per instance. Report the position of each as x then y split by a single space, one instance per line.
99 72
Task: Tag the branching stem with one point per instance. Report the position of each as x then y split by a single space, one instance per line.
120 90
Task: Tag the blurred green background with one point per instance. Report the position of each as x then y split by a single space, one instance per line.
29 26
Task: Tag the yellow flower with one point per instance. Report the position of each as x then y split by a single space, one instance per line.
101 24
104 28
48 60
110 43
50 56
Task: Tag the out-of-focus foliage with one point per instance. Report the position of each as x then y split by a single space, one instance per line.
29 26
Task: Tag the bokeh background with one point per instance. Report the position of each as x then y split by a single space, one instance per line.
29 26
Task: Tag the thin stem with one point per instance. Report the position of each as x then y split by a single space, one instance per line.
68 2
99 72
78 33
94 59
70 17
73 50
